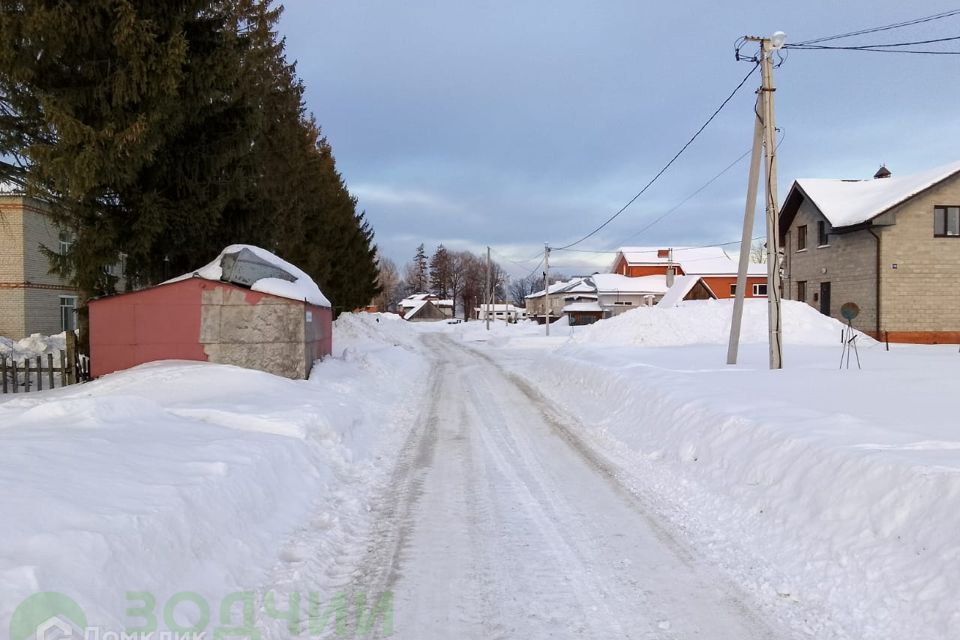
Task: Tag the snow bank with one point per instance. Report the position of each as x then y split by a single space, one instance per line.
708 322
197 477
34 345
832 496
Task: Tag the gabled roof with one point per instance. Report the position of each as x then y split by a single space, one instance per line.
703 261
682 285
571 286
845 203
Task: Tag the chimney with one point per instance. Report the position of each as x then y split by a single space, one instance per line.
882 172
671 270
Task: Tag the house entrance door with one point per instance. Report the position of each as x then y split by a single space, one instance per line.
825 298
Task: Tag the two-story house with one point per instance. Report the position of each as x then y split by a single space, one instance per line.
32 300
891 245
712 264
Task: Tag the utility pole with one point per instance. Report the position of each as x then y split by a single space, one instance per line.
487 293
768 125
747 238
546 282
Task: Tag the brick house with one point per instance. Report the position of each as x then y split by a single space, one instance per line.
712 264
891 245
32 300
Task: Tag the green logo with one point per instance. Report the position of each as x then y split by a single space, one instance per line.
47 616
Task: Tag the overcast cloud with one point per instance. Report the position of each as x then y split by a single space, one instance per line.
514 124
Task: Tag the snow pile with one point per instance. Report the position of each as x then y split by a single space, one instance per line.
302 288
198 477
832 496
32 346
708 322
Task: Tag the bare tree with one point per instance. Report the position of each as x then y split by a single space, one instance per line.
758 252
390 284
522 287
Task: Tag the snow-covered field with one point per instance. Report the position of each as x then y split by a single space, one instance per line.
832 495
194 477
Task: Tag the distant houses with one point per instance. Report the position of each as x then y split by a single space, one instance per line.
718 270
890 244
424 307
604 295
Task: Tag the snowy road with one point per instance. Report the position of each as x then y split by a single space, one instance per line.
502 525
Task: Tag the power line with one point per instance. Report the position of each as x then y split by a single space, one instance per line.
615 251
668 165
871 48
888 27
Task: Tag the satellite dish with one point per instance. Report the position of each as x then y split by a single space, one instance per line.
850 310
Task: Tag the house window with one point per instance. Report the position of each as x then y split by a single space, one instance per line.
66 241
801 237
759 290
802 290
623 303
68 313
822 239
946 222
733 290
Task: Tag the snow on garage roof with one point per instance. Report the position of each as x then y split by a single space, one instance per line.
848 202
260 270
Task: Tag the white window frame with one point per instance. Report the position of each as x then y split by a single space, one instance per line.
66 241
72 307
756 290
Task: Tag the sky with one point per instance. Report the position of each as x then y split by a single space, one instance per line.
511 125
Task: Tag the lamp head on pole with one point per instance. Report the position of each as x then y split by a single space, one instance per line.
777 40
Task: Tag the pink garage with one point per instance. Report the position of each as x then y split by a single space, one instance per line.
247 308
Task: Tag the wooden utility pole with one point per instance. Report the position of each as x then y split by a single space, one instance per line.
488 287
768 125
546 283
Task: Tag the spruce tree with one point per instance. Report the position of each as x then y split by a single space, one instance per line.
440 272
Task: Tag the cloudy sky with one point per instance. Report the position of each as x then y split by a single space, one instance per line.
511 124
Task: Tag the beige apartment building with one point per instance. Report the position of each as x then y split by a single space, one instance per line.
891 245
32 300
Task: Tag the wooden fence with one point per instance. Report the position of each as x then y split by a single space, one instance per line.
37 373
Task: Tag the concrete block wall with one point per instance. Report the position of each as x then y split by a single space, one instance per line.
922 293
848 263
268 335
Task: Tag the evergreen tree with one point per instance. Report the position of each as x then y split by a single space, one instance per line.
167 130
440 272
421 270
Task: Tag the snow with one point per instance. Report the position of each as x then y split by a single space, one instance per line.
832 497
703 261
850 202
33 345
302 289
576 285
708 322
201 477
617 283
575 307
681 287
609 480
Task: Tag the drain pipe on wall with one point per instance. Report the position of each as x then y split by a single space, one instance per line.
877 238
